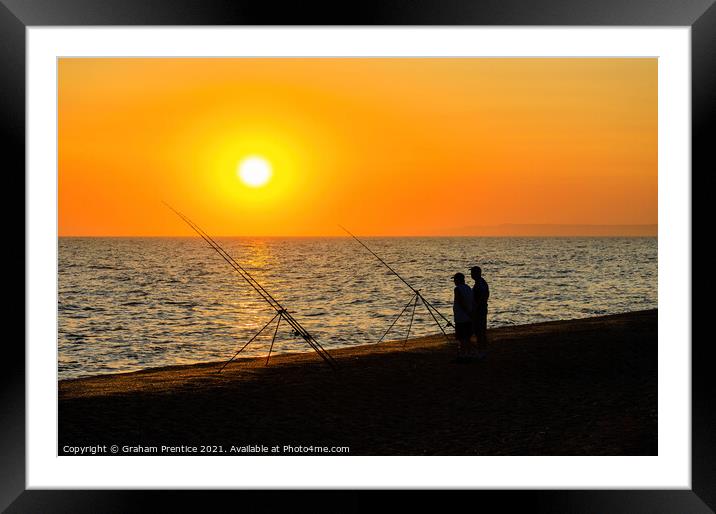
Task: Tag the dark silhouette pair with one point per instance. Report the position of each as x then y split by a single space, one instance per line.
470 312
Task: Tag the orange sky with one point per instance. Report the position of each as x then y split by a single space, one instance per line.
384 146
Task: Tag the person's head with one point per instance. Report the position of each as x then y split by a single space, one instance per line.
458 278
476 272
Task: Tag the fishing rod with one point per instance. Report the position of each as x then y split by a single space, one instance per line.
281 312
417 296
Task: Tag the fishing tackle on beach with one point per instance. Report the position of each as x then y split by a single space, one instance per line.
281 313
417 297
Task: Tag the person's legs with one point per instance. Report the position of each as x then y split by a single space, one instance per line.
472 342
467 347
481 330
479 327
463 331
478 342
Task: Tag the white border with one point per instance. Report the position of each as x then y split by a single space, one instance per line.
671 469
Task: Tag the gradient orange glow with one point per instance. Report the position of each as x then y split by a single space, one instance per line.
384 146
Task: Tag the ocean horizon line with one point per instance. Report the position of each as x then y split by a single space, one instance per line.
378 236
539 230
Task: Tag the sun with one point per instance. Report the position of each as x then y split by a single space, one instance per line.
254 171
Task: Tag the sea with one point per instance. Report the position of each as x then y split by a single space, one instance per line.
127 304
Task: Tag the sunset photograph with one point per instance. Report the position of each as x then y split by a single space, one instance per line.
357 256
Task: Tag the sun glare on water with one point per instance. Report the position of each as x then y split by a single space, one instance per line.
255 171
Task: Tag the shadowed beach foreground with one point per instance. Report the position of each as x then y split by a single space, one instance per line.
581 387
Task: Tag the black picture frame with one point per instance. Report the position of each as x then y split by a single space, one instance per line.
17 15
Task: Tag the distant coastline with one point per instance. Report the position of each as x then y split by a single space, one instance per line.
560 230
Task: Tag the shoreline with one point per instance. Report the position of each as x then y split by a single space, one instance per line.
574 387
359 349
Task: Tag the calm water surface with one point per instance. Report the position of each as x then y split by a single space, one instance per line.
128 304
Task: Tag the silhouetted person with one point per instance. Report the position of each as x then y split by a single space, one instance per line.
480 296
462 309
